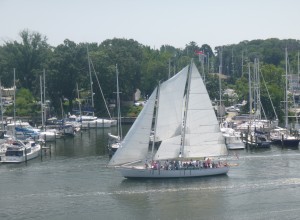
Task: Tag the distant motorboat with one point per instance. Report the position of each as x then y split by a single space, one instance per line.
96 123
22 130
257 140
20 151
50 135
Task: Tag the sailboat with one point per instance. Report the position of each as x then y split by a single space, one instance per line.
115 140
91 121
282 136
185 123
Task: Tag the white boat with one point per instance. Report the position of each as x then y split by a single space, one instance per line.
20 151
22 130
185 123
233 139
50 135
75 124
96 123
3 146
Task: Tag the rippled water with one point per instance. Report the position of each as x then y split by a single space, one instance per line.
74 183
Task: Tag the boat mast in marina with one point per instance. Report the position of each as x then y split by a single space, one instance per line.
14 132
1 105
119 126
286 90
91 81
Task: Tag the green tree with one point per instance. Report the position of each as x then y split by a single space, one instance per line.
25 104
68 66
28 58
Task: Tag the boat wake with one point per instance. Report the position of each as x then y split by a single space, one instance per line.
269 185
253 157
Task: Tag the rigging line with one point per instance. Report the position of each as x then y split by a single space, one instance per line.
269 94
100 89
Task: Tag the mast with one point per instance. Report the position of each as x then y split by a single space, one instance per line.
181 152
286 89
44 103
91 81
118 106
256 85
79 104
14 130
42 109
62 109
298 81
298 71
1 103
155 122
250 91
220 87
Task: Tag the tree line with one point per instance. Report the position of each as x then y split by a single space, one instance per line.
139 67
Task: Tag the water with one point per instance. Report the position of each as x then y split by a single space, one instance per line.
76 184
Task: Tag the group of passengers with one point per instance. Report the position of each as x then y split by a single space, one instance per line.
178 164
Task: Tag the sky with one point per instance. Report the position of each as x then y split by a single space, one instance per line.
151 22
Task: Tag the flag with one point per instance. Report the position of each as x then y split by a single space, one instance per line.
200 53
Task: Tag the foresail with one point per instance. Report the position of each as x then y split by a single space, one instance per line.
169 148
134 147
202 135
169 117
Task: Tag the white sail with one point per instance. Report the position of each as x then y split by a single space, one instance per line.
134 147
169 149
187 131
202 133
169 117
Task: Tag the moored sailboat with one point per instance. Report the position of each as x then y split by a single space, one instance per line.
115 140
185 124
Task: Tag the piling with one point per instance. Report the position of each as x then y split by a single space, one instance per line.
25 150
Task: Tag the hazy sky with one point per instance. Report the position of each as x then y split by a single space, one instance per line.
152 22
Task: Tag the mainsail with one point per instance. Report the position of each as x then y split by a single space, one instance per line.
134 147
203 137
